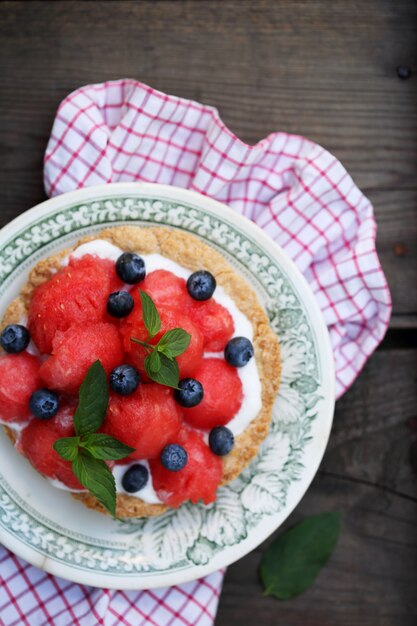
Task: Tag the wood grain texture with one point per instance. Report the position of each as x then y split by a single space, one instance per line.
326 70
365 474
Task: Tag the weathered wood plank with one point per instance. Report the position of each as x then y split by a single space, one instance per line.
293 66
366 474
368 581
403 322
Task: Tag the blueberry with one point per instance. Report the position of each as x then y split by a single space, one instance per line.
190 392
201 285
238 351
130 268
14 338
124 379
44 404
174 457
119 304
135 478
221 440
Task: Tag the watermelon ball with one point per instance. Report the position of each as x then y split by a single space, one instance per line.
130 268
147 420
238 351
124 379
36 443
135 478
174 457
14 338
75 350
215 323
75 295
190 392
19 378
199 478
165 288
201 285
221 440
223 395
44 403
120 304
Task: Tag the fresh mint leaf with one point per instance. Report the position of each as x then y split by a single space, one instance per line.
154 361
89 449
92 401
292 562
167 353
105 447
67 447
168 374
174 342
95 476
150 314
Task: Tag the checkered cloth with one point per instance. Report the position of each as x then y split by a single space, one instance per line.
293 189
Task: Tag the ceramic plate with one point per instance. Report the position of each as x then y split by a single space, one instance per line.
49 529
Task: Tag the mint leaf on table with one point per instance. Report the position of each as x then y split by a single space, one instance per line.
92 401
97 478
150 314
292 562
105 447
67 447
168 374
174 342
89 449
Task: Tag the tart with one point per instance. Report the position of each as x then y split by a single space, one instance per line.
66 307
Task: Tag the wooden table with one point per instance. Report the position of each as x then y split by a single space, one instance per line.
326 70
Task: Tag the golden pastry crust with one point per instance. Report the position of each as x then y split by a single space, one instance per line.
190 252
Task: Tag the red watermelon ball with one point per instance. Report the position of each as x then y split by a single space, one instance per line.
75 295
215 323
166 289
36 443
19 378
198 480
145 420
76 349
223 395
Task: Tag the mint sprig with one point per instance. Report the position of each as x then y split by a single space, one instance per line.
105 447
93 401
95 475
167 373
160 363
67 447
174 342
89 450
150 314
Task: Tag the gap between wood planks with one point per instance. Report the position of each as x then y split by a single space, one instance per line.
367 483
400 337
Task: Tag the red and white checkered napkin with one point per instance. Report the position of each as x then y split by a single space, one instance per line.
293 189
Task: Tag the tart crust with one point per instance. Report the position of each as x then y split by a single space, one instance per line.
190 252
